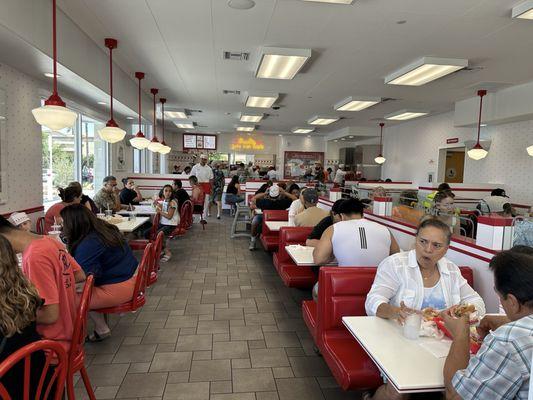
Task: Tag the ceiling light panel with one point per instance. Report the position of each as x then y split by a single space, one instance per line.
259 100
177 114
356 103
245 128
331 1
281 63
302 130
251 117
523 10
404 115
322 120
424 70
184 124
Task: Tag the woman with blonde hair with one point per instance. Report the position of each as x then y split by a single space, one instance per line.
19 303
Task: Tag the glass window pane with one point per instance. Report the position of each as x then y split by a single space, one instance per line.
93 156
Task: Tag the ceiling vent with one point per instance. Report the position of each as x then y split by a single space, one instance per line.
225 91
235 55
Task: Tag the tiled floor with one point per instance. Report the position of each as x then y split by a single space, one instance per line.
219 324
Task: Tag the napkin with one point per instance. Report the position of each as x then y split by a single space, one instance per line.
438 348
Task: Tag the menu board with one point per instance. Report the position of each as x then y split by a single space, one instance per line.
210 142
200 142
189 141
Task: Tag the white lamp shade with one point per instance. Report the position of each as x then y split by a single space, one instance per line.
530 150
112 134
165 149
139 142
154 146
477 153
380 159
55 118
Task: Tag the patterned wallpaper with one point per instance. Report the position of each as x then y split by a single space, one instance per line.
23 139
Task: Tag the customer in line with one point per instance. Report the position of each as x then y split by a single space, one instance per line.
334 216
20 220
311 215
443 208
69 195
218 188
101 250
233 191
276 199
19 302
180 194
54 273
85 200
130 194
501 369
204 175
418 279
107 198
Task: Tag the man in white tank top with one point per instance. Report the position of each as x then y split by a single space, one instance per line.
354 241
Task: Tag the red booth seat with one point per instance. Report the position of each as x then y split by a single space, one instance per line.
290 273
268 238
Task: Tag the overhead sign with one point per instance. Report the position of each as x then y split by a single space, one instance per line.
247 144
452 140
199 141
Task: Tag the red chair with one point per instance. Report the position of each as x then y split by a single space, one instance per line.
53 389
39 226
140 244
156 256
139 292
76 358
291 274
185 216
270 239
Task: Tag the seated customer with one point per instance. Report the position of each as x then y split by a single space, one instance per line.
197 194
297 206
419 279
101 250
20 220
130 194
180 194
333 217
501 369
69 195
443 208
311 215
497 203
19 302
170 217
107 197
54 272
233 191
85 200
276 199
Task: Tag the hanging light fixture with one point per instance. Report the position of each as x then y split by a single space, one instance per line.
139 141
164 148
54 114
111 133
380 159
154 145
478 152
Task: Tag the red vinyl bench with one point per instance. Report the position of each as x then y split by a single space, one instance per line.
291 274
269 239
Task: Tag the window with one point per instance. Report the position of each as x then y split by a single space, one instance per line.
94 157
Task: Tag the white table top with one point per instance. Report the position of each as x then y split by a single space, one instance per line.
406 364
275 226
129 226
303 255
139 210
146 202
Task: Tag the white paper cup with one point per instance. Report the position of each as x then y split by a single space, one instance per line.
411 327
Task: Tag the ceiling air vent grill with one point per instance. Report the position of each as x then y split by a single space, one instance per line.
235 55
225 91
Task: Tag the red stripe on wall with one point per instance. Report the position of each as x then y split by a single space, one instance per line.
27 211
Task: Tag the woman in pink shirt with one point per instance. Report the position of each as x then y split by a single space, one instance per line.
69 195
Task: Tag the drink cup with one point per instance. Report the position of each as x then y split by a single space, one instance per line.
108 213
100 215
411 327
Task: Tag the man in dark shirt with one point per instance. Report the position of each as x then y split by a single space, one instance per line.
275 199
318 230
180 194
130 194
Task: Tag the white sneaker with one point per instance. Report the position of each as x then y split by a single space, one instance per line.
252 244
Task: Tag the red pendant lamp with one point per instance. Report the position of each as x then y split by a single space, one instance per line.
164 148
154 145
478 152
111 133
139 141
380 159
54 114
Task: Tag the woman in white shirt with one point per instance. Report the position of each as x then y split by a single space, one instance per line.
297 206
418 279
170 216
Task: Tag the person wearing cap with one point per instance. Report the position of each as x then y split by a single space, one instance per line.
498 202
339 175
20 220
204 174
311 215
274 199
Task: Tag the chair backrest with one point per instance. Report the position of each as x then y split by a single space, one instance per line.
289 235
185 213
156 252
139 290
44 386
468 274
155 227
39 226
80 325
273 215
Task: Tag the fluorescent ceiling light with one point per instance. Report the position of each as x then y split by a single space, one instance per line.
102 103
404 115
302 130
424 70
245 128
51 75
178 114
251 117
356 103
130 117
321 120
523 10
259 100
281 63
331 1
184 124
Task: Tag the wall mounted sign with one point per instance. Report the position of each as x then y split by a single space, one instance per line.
241 143
199 142
297 163
452 140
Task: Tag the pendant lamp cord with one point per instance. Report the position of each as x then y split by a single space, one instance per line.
163 119
54 44
111 80
155 119
480 93
139 104
381 124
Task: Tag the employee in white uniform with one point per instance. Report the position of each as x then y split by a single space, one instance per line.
204 174
339 175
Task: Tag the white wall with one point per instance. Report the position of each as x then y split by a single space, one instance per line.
412 150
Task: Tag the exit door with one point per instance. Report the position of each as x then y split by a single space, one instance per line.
455 165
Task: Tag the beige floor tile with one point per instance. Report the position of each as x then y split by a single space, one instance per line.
178 361
213 370
234 349
268 358
187 391
253 380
